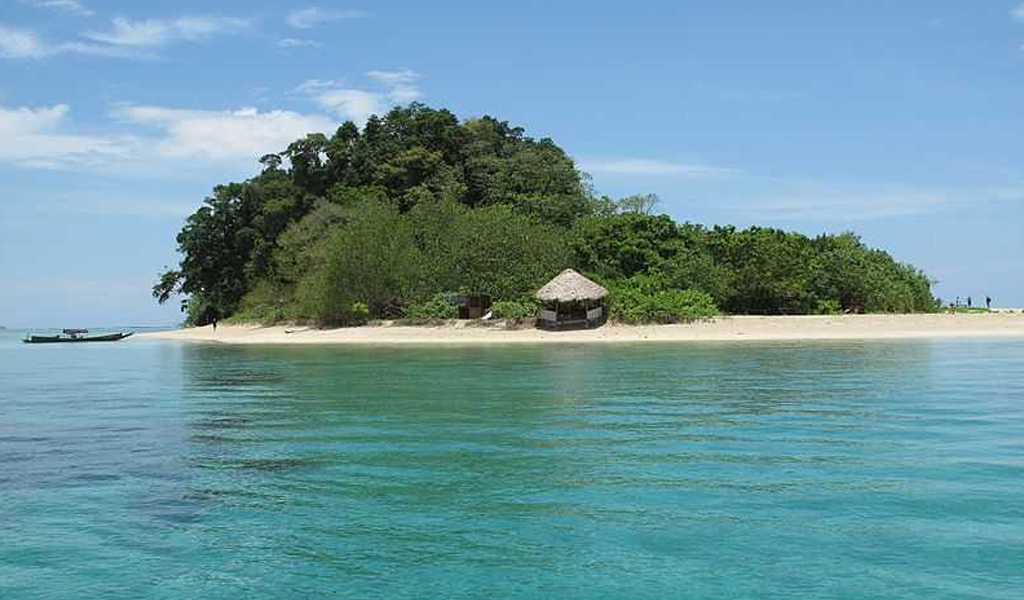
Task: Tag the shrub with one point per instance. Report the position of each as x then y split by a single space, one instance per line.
371 260
439 306
358 313
635 305
513 309
828 307
266 303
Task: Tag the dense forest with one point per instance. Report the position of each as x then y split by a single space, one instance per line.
385 222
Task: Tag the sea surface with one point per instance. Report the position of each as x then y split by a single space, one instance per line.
148 469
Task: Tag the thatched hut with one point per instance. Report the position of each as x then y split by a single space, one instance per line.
571 300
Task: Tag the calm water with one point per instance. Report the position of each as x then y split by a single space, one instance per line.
855 470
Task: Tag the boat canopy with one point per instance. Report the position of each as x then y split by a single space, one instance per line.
75 331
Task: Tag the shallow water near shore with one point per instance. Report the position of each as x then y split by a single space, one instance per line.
828 470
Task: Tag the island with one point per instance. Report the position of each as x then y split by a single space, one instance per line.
394 222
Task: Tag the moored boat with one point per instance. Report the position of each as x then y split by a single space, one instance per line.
75 336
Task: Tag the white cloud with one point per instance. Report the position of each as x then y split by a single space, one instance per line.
642 166
402 84
100 50
357 104
353 104
1018 13
73 7
403 77
33 137
42 138
228 136
21 43
126 39
312 16
159 32
297 43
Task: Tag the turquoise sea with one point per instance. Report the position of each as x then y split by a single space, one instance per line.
150 469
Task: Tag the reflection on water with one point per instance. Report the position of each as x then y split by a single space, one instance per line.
829 470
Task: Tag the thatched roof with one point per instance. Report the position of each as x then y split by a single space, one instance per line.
570 286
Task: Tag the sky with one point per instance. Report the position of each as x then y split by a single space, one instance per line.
901 121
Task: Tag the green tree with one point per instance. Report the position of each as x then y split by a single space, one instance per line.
371 260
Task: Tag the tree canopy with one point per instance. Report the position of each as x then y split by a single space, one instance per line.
377 222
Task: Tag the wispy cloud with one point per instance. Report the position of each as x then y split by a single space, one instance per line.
77 202
159 32
236 136
853 205
850 206
37 137
312 16
357 104
297 43
21 43
125 38
1018 12
73 7
352 104
650 167
401 84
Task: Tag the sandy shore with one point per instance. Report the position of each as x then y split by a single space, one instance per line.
850 327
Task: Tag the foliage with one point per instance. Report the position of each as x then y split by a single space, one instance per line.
513 309
411 156
639 204
302 247
439 306
356 224
266 303
752 271
372 260
829 306
503 253
358 313
643 300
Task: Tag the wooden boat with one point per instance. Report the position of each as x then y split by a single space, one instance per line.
75 336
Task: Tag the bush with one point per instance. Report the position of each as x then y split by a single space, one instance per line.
371 260
828 307
513 309
636 306
358 313
439 306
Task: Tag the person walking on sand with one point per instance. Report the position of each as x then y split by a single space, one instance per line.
968 302
988 303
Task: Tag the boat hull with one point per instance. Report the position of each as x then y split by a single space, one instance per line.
57 339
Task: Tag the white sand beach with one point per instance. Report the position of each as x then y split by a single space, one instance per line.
722 329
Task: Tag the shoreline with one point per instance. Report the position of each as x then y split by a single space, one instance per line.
721 329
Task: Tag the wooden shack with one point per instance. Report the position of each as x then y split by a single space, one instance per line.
472 306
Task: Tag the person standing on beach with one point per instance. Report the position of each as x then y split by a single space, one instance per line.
968 302
988 303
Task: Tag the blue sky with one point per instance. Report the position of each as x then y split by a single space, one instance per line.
901 121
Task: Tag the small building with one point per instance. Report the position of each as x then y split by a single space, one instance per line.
471 306
571 300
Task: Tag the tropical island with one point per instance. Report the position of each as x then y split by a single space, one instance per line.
394 220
